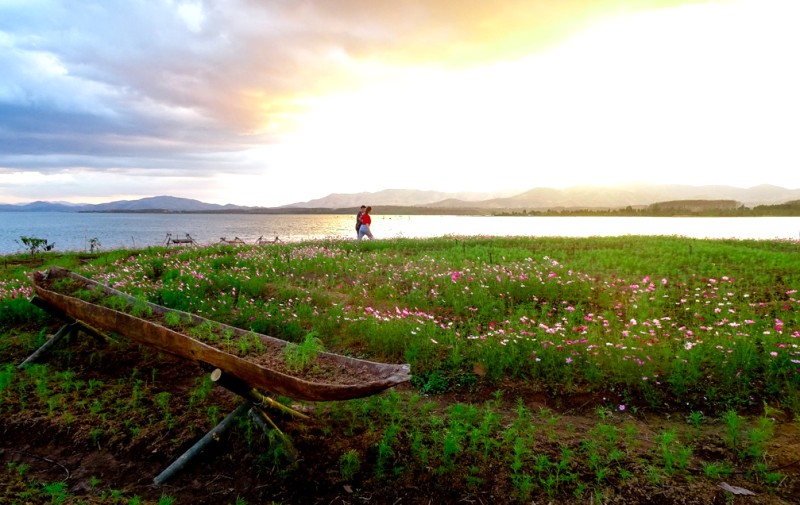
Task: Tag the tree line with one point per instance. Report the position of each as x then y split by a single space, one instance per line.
676 208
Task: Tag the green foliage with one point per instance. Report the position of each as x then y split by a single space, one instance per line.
56 491
349 464
674 455
117 302
207 331
6 376
141 309
35 245
699 329
433 382
758 436
94 245
510 311
19 310
172 319
717 470
299 357
733 431
199 394
166 500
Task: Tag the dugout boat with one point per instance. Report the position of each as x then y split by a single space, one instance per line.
264 366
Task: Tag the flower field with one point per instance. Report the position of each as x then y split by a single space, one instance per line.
543 368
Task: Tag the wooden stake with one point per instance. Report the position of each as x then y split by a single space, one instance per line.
258 400
264 422
201 444
67 329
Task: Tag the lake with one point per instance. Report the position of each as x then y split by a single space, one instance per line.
73 231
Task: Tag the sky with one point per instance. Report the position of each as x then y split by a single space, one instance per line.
272 102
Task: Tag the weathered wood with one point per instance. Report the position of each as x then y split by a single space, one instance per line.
375 377
236 385
263 420
67 329
735 489
82 326
201 444
257 414
53 311
187 240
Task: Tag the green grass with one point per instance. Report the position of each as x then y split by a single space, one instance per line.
705 331
646 315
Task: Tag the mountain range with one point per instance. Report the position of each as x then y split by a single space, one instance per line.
575 197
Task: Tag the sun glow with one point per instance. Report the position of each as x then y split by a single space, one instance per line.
646 96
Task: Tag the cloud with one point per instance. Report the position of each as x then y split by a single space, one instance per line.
177 94
193 61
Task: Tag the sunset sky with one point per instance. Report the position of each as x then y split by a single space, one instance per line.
270 102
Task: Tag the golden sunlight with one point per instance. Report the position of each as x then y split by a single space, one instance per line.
648 96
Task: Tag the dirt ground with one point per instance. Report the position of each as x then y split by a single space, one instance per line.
233 467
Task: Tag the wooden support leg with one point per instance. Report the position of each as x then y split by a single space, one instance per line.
248 392
252 405
265 423
53 311
259 401
262 420
201 444
67 329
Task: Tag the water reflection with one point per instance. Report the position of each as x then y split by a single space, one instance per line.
75 231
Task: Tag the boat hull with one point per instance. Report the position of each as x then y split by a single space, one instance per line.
373 377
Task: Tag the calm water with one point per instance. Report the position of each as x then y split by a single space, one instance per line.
73 231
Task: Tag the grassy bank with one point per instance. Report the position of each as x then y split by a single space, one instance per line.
679 358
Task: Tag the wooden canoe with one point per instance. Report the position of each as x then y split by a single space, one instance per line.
343 378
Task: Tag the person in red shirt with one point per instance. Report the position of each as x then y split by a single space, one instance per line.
358 218
366 221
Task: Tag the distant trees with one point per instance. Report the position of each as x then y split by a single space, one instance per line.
695 206
674 208
783 209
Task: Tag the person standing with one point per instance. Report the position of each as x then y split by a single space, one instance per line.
366 221
358 218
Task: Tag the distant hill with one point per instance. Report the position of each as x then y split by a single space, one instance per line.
396 197
404 200
165 203
640 195
39 207
575 197
151 204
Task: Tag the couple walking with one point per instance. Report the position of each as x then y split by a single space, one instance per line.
363 222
